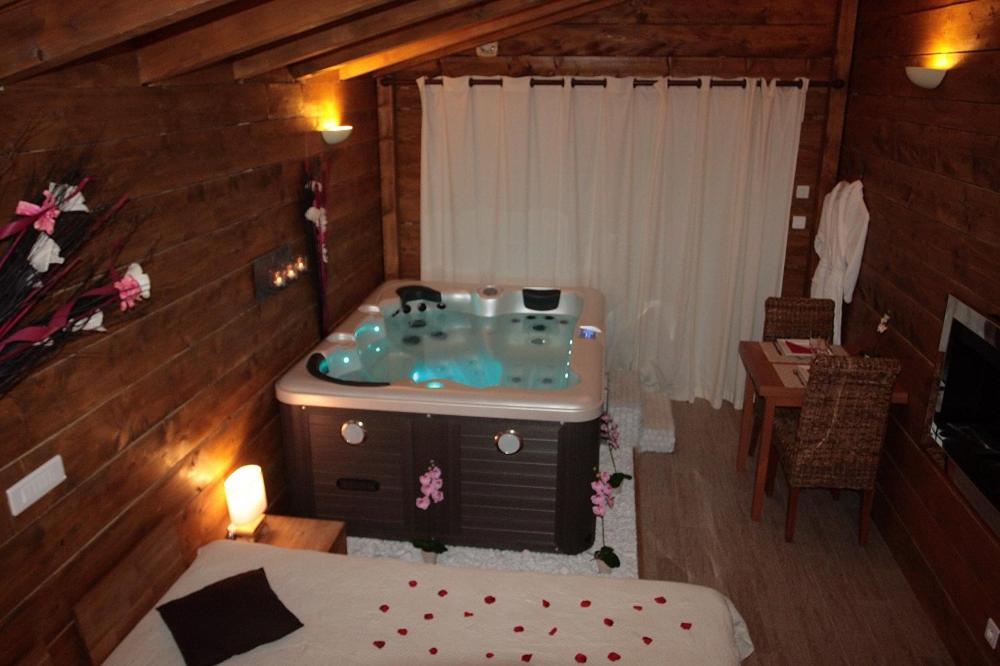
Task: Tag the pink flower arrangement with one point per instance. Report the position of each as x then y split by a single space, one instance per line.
603 497
431 483
609 431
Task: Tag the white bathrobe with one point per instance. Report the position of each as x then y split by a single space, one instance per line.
840 243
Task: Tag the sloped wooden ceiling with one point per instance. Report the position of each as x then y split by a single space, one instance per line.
255 37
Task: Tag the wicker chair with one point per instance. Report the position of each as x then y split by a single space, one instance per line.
836 440
792 317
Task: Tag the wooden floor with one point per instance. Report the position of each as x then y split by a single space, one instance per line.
820 600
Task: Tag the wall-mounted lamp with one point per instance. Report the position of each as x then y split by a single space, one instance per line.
334 134
276 270
246 499
926 77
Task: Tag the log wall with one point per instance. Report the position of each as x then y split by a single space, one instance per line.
930 162
150 416
768 38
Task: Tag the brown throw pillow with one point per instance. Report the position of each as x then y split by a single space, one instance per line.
227 618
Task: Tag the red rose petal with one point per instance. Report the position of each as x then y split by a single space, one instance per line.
580 658
433 650
545 603
660 600
553 630
428 616
468 614
647 640
402 631
489 599
518 629
614 656
585 603
637 607
609 622
379 644
442 593
526 657
412 583
384 608
685 625
489 655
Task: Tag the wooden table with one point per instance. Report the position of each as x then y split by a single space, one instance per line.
764 383
326 536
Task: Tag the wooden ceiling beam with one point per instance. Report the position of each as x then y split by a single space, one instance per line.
498 35
415 33
42 34
462 38
344 34
253 27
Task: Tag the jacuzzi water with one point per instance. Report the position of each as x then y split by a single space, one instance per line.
431 345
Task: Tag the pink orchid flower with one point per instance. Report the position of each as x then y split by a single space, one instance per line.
46 214
423 502
437 496
129 292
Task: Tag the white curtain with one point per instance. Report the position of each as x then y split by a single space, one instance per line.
672 200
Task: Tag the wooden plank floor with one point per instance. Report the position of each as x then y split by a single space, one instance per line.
820 600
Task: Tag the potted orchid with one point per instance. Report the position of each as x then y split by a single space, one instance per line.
431 492
604 486
602 500
880 329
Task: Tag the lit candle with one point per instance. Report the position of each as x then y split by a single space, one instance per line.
290 272
300 264
278 279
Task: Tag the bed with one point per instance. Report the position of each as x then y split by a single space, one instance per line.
358 610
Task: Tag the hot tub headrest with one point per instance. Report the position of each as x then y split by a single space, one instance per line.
316 365
418 292
541 299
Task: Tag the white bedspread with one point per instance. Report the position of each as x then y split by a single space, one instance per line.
363 611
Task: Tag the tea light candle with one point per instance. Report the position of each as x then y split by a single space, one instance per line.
278 279
300 264
290 272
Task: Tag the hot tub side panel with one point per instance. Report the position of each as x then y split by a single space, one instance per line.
538 498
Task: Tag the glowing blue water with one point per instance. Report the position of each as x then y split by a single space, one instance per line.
529 351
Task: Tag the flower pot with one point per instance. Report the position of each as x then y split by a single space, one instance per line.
429 557
602 567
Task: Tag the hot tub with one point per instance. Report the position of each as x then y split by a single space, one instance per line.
501 386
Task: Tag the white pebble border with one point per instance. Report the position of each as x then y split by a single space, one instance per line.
619 527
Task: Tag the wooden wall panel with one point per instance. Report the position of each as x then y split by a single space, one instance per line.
150 416
647 38
929 161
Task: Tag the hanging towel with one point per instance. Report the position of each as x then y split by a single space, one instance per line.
840 243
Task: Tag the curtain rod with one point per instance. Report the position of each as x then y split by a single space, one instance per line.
671 83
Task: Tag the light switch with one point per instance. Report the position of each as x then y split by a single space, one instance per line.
31 488
798 221
802 192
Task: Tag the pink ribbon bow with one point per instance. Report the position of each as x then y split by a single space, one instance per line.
129 292
45 215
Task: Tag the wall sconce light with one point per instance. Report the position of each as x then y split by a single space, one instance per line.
247 501
276 270
334 134
926 77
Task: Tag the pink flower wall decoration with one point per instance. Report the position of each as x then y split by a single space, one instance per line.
431 484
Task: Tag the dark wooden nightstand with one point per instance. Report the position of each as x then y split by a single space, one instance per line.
327 536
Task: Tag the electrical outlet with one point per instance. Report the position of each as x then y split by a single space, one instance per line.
992 633
798 222
31 488
802 192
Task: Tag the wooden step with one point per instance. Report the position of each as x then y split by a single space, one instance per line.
657 423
